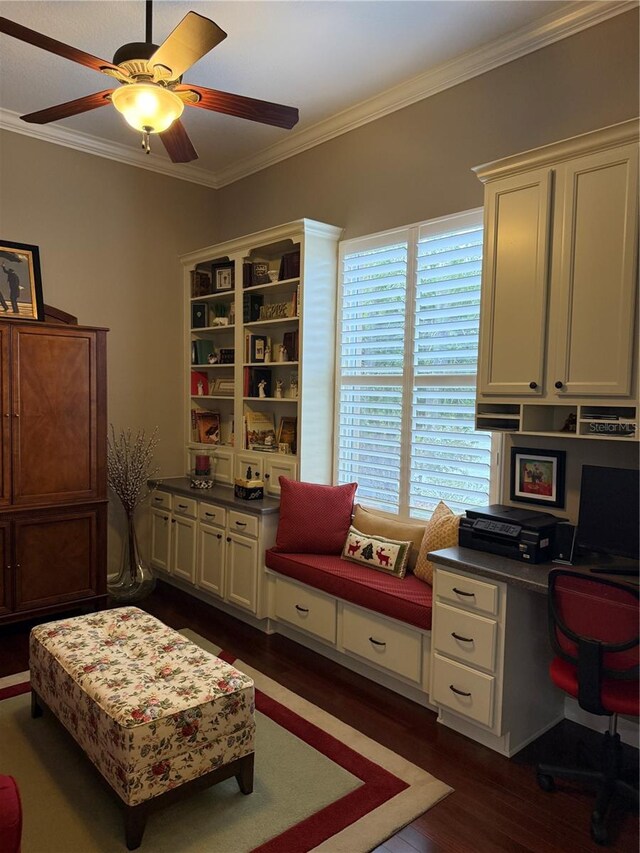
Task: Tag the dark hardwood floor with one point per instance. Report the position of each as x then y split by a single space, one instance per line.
496 804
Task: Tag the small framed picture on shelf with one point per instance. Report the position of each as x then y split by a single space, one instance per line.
20 283
222 277
537 476
208 427
224 386
288 434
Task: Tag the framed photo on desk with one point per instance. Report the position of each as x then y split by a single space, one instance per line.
537 476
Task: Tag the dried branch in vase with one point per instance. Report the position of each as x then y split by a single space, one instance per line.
130 465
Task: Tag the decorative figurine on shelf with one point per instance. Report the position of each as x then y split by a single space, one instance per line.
283 355
267 351
278 393
570 423
293 387
212 358
248 474
261 386
200 388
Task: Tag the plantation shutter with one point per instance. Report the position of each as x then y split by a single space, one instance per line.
407 362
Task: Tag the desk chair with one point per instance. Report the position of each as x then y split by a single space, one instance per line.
593 623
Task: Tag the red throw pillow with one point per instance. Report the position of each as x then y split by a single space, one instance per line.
314 519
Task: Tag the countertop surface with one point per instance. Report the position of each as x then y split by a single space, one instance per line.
534 577
217 494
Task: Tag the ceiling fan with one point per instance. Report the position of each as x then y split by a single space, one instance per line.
151 94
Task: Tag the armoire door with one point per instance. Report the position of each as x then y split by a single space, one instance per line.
5 418
6 572
55 400
56 558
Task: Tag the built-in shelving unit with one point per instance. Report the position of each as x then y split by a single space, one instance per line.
273 274
569 421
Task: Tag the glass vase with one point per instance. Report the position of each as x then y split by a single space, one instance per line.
136 579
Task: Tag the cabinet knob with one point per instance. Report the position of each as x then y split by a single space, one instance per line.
16 414
6 414
228 539
219 535
266 476
173 521
559 384
166 517
533 385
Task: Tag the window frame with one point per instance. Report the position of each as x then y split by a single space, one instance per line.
409 379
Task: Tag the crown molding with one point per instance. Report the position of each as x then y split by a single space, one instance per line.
545 31
89 144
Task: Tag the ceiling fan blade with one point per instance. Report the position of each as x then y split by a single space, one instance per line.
57 47
179 146
241 106
71 108
194 36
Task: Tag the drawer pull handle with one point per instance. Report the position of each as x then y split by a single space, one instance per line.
302 609
459 692
158 500
462 592
376 642
210 514
462 639
183 506
241 523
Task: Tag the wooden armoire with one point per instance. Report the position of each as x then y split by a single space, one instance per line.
53 477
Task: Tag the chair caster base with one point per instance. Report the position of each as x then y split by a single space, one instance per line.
546 782
599 831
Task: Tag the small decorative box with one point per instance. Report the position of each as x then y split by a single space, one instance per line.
249 490
199 482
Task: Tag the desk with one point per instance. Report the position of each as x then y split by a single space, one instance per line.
490 649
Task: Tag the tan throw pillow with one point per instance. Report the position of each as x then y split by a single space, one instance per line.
441 532
378 525
376 552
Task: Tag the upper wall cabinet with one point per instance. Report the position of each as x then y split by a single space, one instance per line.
559 286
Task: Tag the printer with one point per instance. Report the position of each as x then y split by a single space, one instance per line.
521 534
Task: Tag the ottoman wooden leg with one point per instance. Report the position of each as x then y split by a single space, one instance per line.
135 820
245 776
36 708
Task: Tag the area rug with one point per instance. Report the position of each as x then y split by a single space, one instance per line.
319 785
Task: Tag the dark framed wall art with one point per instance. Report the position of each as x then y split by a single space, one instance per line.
537 476
20 282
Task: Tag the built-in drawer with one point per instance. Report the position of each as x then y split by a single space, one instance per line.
463 690
466 636
306 608
240 522
185 506
212 514
468 592
160 500
391 646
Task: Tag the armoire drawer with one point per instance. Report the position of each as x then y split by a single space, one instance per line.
463 690
466 636
306 608
391 646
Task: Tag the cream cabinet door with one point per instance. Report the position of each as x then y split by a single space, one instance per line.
211 559
276 467
513 313
594 277
242 572
183 535
161 539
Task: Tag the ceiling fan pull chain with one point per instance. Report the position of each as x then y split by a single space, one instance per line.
146 143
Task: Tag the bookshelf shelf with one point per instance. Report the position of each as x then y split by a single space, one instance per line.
305 254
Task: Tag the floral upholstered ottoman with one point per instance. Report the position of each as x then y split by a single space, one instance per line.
156 714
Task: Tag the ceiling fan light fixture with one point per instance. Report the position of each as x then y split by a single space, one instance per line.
147 107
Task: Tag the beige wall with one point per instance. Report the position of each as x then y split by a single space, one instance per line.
415 163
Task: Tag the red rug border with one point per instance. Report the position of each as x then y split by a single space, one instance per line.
378 785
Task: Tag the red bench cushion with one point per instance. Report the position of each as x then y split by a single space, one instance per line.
10 815
407 599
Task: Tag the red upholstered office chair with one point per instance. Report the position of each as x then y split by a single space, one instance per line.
593 624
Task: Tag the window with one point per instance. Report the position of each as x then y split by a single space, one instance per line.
407 362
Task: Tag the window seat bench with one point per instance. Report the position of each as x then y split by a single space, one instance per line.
376 624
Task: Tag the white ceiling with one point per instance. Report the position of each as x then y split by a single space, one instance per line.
341 62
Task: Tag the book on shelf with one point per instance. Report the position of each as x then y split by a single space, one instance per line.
261 433
226 355
198 315
289 265
290 343
205 426
253 376
259 273
200 283
199 383
255 347
251 305
203 348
